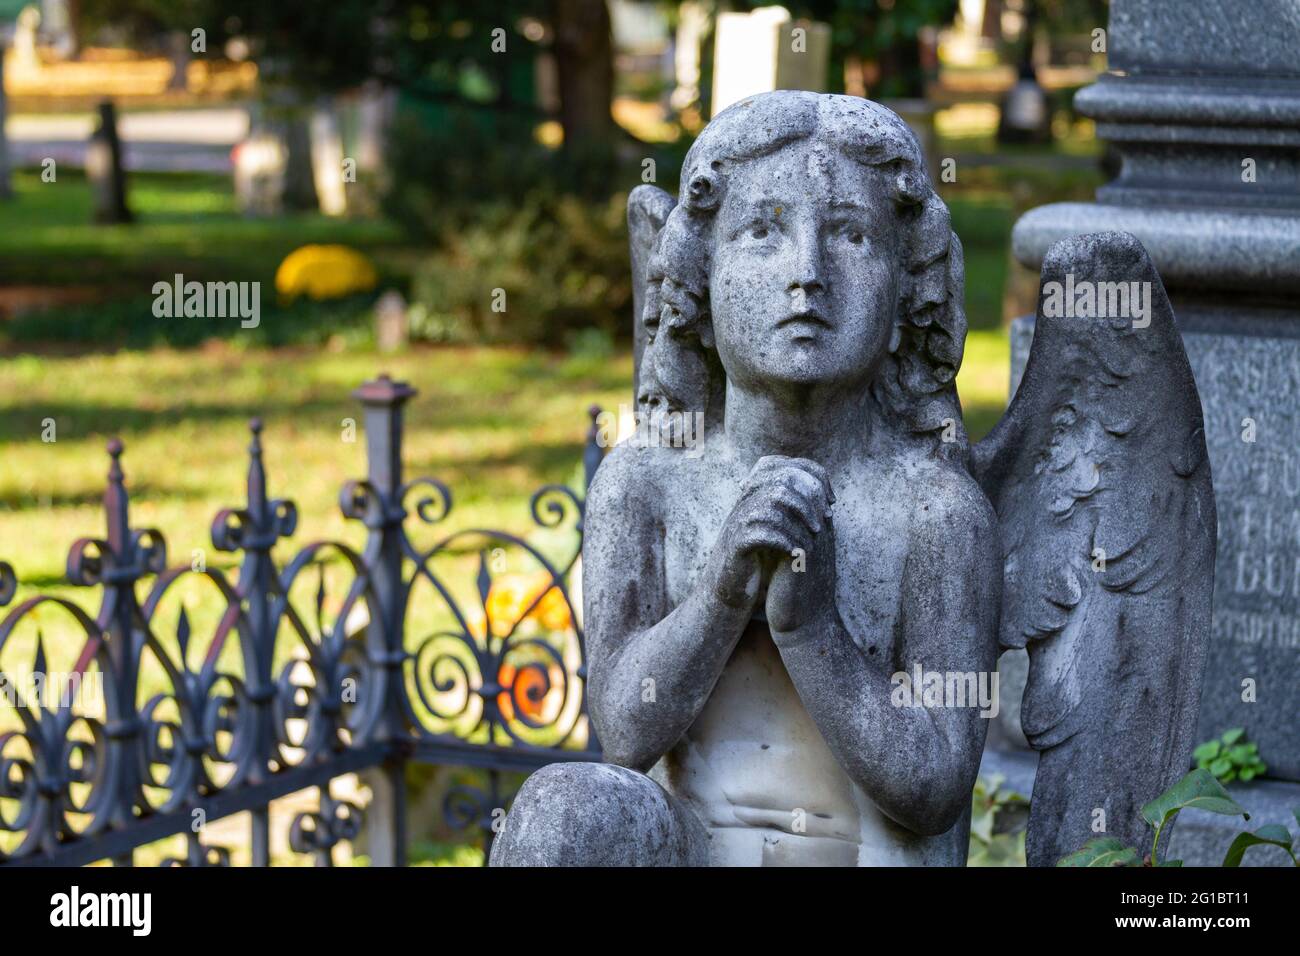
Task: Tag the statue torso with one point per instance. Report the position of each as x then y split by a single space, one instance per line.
754 765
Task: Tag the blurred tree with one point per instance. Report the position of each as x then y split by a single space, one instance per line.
448 51
584 52
429 47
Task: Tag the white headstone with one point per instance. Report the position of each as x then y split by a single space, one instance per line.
767 50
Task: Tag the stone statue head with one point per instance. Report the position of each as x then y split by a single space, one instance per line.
809 248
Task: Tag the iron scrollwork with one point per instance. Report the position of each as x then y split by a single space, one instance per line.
278 688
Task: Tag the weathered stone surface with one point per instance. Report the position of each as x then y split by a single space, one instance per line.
1193 249
792 624
1250 389
1203 104
1205 37
592 814
1098 472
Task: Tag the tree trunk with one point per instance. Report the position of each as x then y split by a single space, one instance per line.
584 53
6 189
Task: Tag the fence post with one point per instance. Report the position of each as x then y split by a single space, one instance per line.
382 400
116 562
254 529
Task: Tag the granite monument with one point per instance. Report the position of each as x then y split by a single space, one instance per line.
1202 103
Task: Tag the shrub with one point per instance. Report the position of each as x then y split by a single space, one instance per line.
546 226
559 263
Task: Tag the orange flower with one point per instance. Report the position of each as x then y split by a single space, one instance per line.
529 682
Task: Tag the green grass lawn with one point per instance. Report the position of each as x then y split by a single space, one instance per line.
494 423
185 223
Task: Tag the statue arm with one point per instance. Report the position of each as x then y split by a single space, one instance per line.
917 764
651 668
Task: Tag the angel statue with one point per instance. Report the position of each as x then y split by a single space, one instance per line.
756 611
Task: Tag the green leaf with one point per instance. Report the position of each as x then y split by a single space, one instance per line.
1230 776
1207 751
1198 789
1102 851
1241 753
1247 774
1230 737
1221 766
1272 835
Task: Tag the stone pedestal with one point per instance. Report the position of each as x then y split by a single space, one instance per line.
1203 103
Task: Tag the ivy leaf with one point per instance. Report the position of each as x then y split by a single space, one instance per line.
1198 790
1272 835
1230 737
1102 851
1206 751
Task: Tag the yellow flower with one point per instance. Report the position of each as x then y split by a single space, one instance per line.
512 594
325 272
506 602
553 611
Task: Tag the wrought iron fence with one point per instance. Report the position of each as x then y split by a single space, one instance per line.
291 676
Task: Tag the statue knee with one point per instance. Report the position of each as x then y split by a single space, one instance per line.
592 814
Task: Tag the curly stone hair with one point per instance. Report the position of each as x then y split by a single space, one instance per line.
916 379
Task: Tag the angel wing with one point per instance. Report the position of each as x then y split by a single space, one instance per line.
1099 475
647 211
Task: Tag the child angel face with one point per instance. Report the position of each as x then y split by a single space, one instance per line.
804 285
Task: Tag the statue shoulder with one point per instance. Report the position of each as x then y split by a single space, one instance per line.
631 476
951 502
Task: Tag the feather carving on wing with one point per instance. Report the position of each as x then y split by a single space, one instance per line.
679 385
1099 475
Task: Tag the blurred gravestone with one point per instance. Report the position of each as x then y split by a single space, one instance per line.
765 50
104 169
391 326
25 56
259 175
57 28
1024 116
327 159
